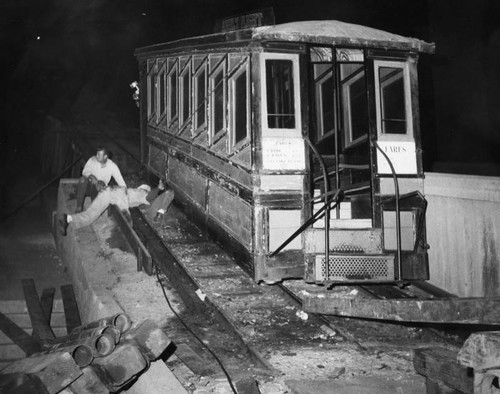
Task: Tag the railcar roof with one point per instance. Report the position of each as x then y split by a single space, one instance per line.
330 32
339 33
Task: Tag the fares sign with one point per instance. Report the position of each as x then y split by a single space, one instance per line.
402 155
283 154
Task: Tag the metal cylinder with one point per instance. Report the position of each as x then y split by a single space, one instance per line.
81 353
90 332
120 321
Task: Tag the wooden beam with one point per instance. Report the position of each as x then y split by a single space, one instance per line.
448 310
71 313
41 328
47 302
441 365
144 259
17 335
481 351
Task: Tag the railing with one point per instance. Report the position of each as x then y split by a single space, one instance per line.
323 211
398 218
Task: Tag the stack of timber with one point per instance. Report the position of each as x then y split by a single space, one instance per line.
474 368
100 357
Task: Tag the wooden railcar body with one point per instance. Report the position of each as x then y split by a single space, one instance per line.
247 126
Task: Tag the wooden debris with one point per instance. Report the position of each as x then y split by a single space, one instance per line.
441 365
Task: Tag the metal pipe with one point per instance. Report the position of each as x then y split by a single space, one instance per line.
327 211
120 321
91 332
398 224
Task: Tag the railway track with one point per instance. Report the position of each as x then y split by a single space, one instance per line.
251 327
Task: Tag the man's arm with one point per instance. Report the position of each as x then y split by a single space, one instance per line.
117 175
88 168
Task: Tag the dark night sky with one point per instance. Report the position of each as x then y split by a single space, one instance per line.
70 55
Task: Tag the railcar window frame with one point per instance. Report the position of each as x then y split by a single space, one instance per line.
235 140
200 104
162 90
319 83
220 69
280 132
384 136
183 101
346 82
172 80
152 90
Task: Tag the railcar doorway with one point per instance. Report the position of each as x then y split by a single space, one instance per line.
340 132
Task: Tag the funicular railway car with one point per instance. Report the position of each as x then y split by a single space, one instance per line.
297 145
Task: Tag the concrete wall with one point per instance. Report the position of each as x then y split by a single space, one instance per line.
463 231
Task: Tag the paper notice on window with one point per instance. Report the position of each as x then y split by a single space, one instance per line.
402 155
283 154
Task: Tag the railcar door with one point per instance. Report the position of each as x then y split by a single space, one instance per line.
340 132
363 111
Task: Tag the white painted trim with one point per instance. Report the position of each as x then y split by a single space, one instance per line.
270 132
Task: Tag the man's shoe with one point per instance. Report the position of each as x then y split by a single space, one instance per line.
63 224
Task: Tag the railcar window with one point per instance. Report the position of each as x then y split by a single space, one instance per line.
185 91
200 97
172 93
218 100
162 91
240 105
280 94
392 100
324 86
152 86
355 103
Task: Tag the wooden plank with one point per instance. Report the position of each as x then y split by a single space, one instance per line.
451 310
481 351
47 302
41 329
71 312
440 364
17 335
144 259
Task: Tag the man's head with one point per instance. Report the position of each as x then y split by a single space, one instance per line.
102 155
